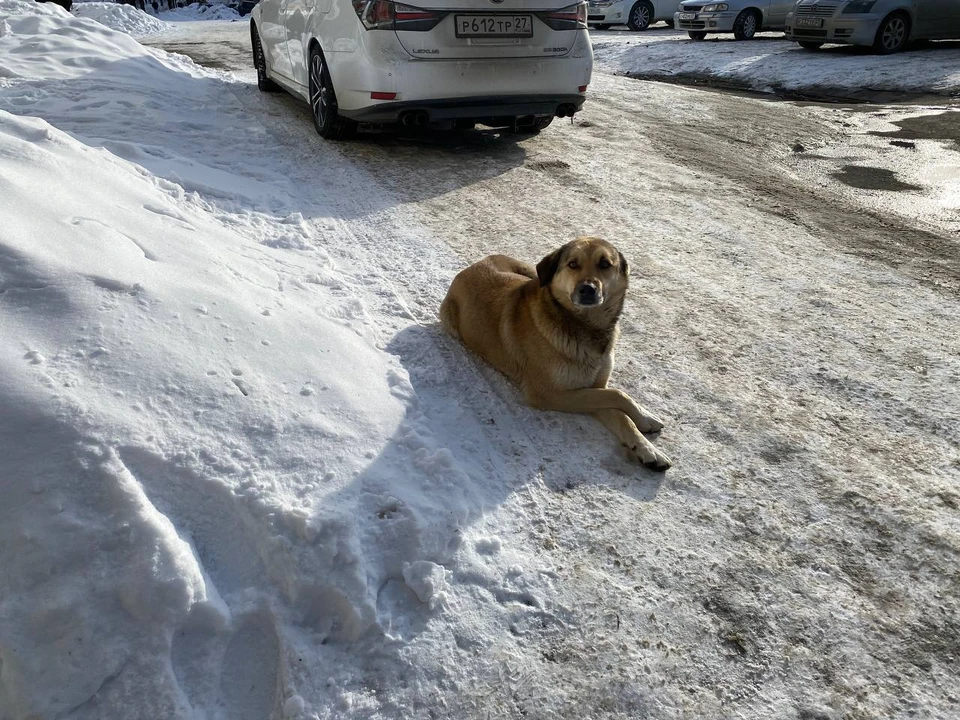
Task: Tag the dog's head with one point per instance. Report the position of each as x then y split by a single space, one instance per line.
585 274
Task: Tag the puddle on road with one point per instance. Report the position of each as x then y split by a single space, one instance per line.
942 126
871 178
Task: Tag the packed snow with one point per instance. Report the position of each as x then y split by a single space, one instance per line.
769 63
245 476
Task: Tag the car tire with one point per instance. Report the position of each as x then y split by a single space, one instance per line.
541 123
747 25
327 120
697 35
893 34
641 16
264 83
809 44
670 24
604 26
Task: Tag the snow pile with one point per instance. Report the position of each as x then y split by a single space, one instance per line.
124 18
212 471
200 11
770 63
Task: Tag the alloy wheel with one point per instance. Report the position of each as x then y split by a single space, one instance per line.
319 95
641 16
893 33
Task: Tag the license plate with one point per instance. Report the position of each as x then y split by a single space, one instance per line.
688 16
504 26
808 22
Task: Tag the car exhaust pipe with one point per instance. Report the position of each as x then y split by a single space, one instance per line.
566 110
414 118
526 121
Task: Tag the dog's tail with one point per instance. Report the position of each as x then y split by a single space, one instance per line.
450 316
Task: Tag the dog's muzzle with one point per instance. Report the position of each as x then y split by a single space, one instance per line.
587 294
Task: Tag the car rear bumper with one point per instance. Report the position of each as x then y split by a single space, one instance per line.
478 108
843 29
441 86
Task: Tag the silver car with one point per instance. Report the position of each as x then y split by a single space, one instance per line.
743 18
887 25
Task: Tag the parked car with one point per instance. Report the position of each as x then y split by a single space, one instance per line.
453 61
743 18
887 25
636 14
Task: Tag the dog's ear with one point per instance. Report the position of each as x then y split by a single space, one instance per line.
624 267
547 267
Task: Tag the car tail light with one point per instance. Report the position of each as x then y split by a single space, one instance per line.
383 96
568 18
386 15
582 88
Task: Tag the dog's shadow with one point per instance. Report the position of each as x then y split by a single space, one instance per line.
462 397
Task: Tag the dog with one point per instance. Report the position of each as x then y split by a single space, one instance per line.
552 331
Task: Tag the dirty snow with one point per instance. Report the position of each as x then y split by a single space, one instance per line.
245 476
198 11
897 161
770 63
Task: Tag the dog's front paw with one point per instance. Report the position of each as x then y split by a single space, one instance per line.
649 456
659 463
650 424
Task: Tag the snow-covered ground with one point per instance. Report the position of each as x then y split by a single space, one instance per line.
770 63
245 476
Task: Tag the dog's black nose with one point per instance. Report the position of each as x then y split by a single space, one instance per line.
588 292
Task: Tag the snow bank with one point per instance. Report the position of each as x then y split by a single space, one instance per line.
198 11
770 63
213 473
124 18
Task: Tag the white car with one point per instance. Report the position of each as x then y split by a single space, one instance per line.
504 63
636 14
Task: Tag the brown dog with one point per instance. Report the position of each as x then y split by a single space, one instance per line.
552 331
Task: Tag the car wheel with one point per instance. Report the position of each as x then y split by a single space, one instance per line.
540 123
604 26
809 44
892 35
670 24
641 15
697 35
264 83
323 101
746 25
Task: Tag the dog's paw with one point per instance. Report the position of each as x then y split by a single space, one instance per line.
650 424
660 463
649 456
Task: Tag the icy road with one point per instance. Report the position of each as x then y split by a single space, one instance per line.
251 479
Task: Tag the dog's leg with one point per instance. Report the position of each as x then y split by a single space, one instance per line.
450 316
649 423
593 399
626 432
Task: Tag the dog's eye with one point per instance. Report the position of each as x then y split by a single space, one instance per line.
573 265
603 264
